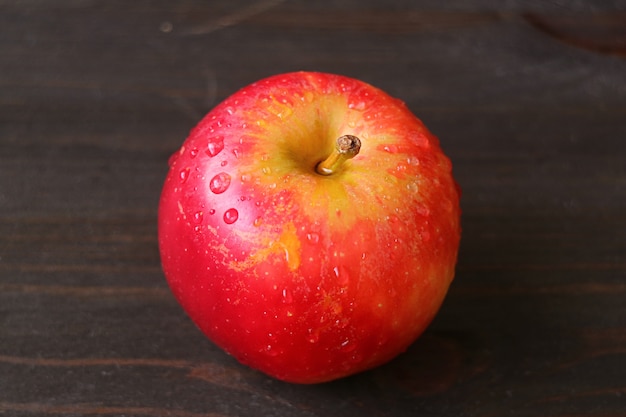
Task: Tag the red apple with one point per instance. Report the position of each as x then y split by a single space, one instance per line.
292 254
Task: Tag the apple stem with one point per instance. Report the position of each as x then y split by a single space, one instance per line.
346 147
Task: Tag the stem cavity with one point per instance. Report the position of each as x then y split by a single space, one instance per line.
346 147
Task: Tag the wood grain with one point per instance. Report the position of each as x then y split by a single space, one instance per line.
599 32
528 99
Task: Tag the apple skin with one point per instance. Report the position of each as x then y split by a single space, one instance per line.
309 278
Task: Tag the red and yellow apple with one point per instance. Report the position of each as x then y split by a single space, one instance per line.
309 226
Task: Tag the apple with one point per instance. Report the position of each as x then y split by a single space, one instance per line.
309 225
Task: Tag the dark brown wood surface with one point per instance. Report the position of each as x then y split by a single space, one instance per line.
527 97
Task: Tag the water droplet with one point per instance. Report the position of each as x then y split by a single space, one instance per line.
266 170
183 175
215 146
212 212
173 158
412 186
236 153
197 217
224 163
314 336
220 183
358 105
287 297
245 177
313 237
193 153
343 278
393 219
230 216
271 351
422 210
346 346
412 160
401 167
391 148
285 113
419 139
197 229
356 358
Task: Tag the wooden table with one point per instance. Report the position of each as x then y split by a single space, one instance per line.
528 99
